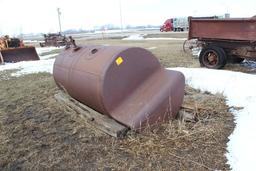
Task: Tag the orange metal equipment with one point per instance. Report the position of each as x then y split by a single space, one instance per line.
19 54
13 50
125 83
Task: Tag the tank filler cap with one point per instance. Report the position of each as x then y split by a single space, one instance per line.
73 43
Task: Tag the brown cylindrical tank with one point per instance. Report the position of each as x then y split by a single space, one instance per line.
126 83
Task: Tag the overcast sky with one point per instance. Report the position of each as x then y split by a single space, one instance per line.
26 16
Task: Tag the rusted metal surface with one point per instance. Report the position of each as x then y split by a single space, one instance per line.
224 40
19 54
14 50
236 29
126 83
54 39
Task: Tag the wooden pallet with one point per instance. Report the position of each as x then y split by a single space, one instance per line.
1 58
99 121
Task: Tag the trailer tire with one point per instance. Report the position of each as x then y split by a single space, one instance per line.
213 57
42 44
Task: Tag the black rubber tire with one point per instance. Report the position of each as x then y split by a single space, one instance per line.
219 55
41 45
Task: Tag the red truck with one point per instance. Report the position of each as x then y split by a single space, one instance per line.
180 24
175 24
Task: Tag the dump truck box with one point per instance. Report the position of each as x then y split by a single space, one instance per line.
233 29
224 40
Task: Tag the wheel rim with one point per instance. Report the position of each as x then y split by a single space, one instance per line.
210 59
188 45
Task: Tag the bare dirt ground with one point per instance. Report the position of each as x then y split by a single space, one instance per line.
37 133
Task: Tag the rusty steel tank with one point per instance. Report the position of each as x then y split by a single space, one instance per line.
126 83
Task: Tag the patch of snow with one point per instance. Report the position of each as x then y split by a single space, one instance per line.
32 41
166 38
41 50
251 64
105 45
29 67
134 37
140 37
151 48
239 88
45 64
48 56
111 31
8 66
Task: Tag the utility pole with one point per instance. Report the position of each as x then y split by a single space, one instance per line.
59 13
121 18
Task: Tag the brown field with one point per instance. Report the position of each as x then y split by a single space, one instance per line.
37 133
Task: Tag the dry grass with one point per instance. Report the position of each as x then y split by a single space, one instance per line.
37 133
168 34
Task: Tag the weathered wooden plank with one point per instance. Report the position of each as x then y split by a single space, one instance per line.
1 58
101 122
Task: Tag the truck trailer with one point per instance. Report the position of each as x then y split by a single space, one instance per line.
175 24
181 24
224 40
